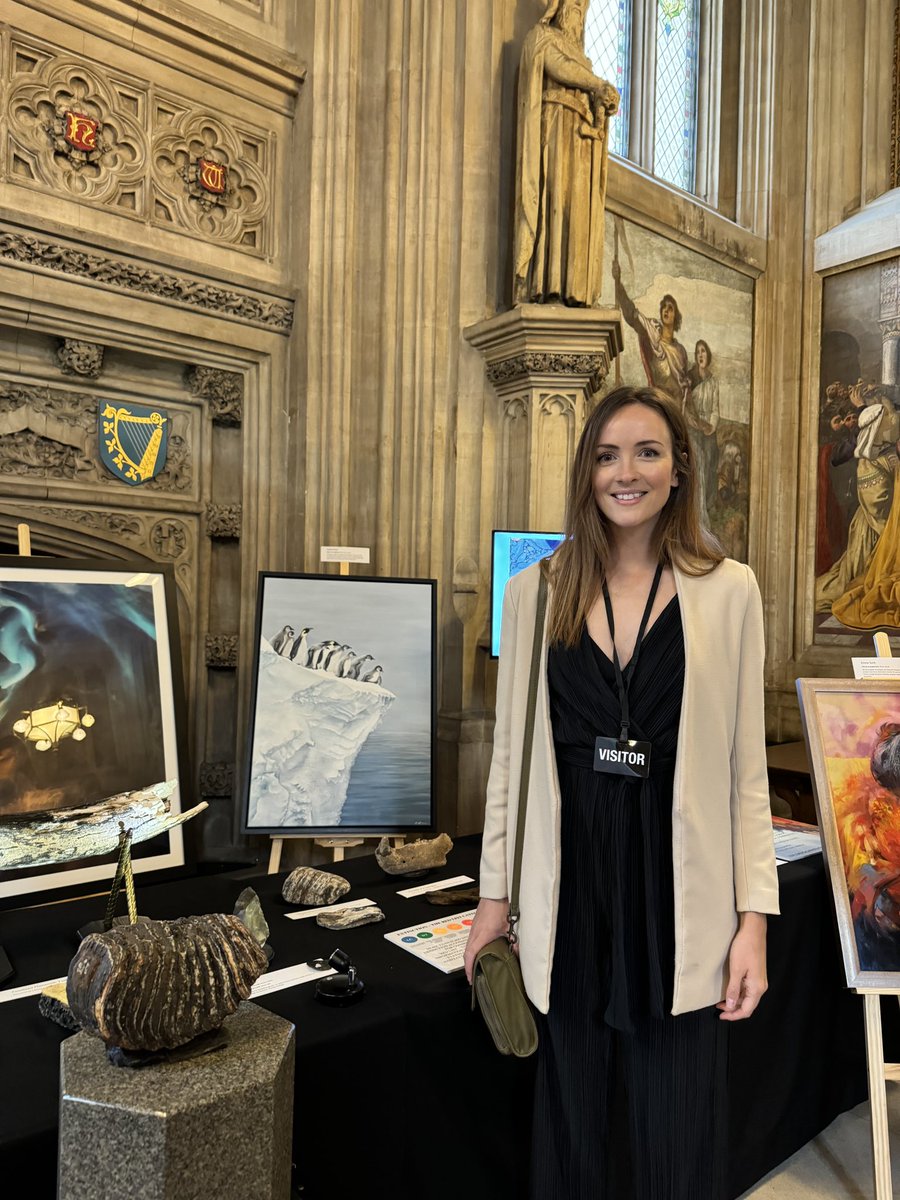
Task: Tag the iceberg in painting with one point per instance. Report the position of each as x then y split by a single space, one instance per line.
309 728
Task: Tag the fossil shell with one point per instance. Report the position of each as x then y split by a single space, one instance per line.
349 918
414 856
158 984
306 885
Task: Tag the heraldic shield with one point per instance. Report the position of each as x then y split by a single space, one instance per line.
133 441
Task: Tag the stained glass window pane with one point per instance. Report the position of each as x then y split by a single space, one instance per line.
607 43
675 133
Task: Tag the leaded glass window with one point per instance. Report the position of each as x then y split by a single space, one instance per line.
607 42
650 50
675 128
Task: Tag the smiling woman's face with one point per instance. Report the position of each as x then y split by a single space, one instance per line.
634 467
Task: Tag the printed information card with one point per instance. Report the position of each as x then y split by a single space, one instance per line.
440 943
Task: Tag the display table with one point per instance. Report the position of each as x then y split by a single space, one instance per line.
403 1095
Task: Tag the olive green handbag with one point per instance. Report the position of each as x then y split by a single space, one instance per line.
496 976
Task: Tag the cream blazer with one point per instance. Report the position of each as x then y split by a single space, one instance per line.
722 843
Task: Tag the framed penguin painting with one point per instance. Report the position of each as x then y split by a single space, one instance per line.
342 725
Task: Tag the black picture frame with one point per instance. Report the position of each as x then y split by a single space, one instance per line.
388 783
130 677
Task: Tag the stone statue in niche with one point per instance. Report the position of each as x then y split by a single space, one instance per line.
564 112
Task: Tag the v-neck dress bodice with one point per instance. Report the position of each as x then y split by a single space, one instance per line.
616 898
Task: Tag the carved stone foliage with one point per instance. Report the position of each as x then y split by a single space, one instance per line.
75 129
120 524
594 366
76 357
224 390
50 433
26 250
209 177
223 522
216 780
222 651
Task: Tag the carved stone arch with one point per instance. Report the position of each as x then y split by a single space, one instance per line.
557 404
516 408
50 538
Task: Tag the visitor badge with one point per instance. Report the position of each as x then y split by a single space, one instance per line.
615 757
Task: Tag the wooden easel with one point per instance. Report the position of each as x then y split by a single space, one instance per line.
879 1070
337 845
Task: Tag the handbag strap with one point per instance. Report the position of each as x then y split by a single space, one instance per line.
528 742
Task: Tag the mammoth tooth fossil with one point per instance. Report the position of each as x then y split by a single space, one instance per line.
158 984
414 856
306 885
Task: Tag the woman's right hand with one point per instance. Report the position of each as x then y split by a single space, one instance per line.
489 923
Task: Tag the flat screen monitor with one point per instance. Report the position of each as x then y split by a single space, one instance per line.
512 551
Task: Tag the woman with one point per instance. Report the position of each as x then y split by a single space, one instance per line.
646 896
702 413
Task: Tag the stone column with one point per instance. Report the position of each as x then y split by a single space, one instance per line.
889 320
546 363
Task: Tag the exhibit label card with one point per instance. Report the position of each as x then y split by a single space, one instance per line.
277 981
311 912
876 668
28 989
440 943
435 887
355 554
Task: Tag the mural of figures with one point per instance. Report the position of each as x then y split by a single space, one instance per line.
857 560
688 331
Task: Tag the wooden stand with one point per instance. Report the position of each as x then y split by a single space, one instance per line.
879 1070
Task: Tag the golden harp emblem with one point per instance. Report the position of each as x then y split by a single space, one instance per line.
133 441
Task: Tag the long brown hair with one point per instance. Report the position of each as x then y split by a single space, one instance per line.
577 567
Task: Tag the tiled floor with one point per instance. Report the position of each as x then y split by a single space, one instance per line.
837 1165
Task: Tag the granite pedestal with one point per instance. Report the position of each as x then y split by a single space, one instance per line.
214 1126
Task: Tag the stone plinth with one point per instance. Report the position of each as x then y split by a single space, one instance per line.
215 1126
546 363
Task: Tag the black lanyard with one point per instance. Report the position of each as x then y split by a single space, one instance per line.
623 681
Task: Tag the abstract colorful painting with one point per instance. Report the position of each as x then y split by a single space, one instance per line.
852 729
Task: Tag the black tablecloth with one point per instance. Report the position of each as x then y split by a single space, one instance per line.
403 1095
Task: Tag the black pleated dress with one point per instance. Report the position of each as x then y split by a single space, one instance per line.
630 1101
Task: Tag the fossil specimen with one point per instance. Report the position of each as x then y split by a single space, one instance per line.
69 833
349 918
158 984
448 896
415 856
306 885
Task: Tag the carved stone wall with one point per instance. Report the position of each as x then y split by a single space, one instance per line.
145 187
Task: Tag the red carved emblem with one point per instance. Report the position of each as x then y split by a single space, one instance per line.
212 176
80 131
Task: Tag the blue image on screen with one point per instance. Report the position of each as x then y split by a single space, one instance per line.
513 551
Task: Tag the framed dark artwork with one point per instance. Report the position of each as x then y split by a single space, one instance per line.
857 550
852 730
342 725
512 550
91 701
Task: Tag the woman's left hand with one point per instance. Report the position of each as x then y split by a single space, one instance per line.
746 969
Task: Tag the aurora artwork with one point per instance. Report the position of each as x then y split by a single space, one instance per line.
89 696
852 729
343 722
